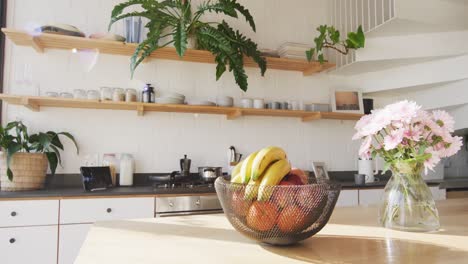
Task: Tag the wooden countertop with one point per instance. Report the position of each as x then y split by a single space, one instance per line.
351 236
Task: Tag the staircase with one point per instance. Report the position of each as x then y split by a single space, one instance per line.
415 49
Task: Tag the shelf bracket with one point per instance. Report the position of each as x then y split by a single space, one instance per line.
28 103
311 117
37 45
234 115
140 110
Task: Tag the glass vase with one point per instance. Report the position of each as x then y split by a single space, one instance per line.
407 203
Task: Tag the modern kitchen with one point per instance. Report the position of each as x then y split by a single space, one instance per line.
233 131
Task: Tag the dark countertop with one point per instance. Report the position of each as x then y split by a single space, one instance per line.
111 192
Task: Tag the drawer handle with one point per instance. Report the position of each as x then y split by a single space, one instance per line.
13 214
109 210
12 240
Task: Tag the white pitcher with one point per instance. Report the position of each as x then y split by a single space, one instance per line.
366 167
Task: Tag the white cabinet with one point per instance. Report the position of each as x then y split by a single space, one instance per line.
70 241
29 213
370 197
73 211
348 198
24 245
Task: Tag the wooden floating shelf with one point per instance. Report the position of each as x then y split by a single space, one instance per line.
34 103
54 41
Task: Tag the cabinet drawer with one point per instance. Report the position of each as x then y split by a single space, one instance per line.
70 242
20 245
28 213
74 211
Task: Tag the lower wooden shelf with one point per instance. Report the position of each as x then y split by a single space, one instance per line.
34 103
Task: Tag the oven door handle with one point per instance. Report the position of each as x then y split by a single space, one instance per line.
218 211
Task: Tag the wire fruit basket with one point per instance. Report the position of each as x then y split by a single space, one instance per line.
283 215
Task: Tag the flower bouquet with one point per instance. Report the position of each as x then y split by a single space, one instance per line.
409 140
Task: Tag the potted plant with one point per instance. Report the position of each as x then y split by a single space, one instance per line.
25 157
409 140
329 38
174 22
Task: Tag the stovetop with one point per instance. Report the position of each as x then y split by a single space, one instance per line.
183 185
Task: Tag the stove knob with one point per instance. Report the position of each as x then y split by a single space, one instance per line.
197 202
171 204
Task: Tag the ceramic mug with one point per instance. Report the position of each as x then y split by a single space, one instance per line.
259 103
247 103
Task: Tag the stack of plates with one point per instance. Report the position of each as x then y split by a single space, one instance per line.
294 50
201 102
170 98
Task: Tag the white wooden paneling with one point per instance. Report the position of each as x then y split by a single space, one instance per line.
70 241
24 245
348 198
73 211
28 213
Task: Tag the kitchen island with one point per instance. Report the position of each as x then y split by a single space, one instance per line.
351 236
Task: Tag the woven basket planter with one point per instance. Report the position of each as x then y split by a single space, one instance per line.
29 172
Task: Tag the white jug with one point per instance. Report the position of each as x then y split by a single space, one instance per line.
366 167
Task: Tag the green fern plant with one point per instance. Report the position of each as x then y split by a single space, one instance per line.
175 18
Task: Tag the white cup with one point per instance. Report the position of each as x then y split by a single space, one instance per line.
247 103
259 103
294 105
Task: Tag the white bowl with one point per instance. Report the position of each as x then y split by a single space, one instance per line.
171 95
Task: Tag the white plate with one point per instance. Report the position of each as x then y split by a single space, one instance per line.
202 103
168 100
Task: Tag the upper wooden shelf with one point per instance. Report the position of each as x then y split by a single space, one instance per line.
35 103
53 41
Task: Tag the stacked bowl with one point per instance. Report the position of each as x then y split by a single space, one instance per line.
170 98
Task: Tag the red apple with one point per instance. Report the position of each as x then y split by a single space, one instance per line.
294 179
310 198
301 174
284 196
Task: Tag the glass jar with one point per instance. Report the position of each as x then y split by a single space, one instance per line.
407 203
110 160
118 95
147 95
93 95
130 95
106 94
127 168
79 94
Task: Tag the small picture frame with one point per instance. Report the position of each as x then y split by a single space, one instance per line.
347 101
320 171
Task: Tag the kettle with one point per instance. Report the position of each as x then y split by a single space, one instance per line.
366 167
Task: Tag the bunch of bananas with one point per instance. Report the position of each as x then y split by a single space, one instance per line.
261 169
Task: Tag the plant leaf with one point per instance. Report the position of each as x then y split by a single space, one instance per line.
53 161
310 54
321 59
72 138
45 140
180 38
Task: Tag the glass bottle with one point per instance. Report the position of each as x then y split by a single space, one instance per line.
147 96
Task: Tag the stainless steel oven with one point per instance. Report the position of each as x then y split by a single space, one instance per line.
187 205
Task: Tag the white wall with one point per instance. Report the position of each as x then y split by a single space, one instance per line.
158 140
